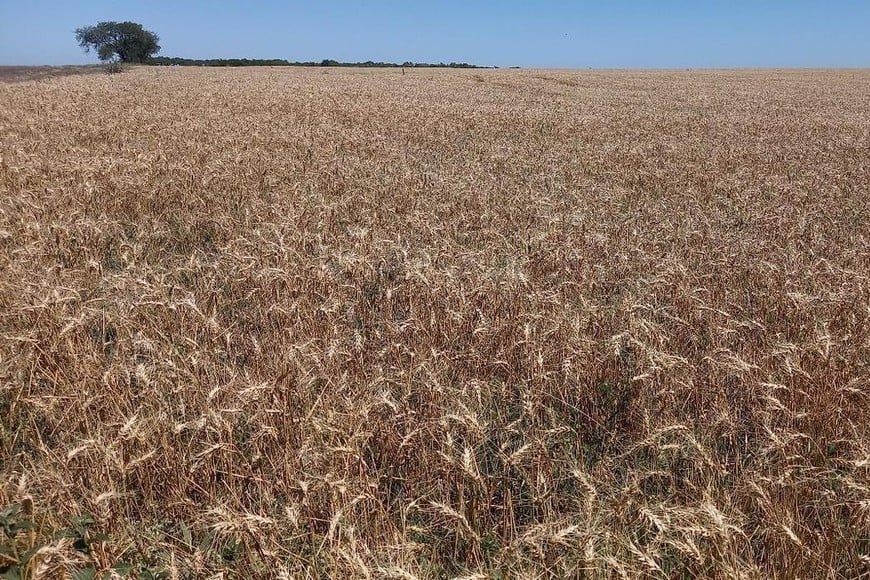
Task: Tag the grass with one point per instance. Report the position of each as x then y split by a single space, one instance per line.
308 323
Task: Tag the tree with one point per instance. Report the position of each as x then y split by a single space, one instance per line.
127 41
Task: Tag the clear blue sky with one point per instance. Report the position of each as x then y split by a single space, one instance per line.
530 33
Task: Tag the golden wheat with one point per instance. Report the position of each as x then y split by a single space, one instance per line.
307 323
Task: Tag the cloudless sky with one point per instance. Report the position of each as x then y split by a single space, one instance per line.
529 33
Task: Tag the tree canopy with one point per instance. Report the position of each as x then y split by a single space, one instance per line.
126 41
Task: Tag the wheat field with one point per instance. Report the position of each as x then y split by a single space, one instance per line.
310 323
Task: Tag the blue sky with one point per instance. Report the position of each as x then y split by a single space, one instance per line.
544 33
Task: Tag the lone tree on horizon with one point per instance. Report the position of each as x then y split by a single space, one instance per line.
126 41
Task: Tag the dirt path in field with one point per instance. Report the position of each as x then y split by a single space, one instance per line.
17 74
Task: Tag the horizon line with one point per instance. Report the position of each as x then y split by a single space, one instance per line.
472 66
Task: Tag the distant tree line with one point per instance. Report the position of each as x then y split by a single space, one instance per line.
128 42
169 61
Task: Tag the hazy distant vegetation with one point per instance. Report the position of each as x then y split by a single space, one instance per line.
129 42
166 60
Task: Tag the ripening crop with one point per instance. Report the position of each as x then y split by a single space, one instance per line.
309 323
